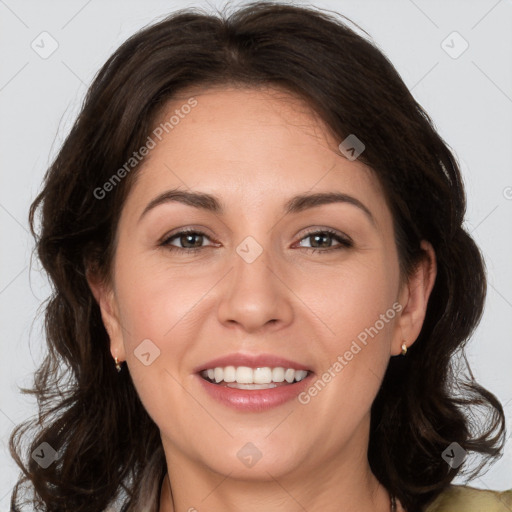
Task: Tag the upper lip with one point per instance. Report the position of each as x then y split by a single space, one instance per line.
252 361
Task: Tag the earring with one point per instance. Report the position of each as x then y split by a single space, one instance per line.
404 348
118 366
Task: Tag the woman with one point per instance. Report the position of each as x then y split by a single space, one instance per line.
257 226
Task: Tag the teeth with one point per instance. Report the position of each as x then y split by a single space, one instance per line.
289 375
262 375
244 375
251 386
278 374
256 376
229 374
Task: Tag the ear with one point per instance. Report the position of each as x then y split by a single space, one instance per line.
414 299
105 297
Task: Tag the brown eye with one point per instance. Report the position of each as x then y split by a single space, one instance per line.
322 241
190 241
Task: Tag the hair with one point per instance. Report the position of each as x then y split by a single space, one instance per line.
108 447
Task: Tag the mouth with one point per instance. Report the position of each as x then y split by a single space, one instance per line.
247 378
254 389
253 382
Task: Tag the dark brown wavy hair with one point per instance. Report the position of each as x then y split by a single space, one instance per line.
108 446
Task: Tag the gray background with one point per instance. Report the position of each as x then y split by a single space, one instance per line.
468 97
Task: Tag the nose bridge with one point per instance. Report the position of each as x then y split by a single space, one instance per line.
254 295
252 264
252 280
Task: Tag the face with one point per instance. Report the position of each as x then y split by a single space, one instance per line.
316 284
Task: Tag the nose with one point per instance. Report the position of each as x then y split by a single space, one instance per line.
254 295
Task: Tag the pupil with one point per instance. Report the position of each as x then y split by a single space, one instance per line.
188 237
325 236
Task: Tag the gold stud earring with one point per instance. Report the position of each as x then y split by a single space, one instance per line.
118 366
404 349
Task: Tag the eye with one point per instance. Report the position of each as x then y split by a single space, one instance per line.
321 239
190 240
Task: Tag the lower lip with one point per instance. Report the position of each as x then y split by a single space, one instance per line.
255 400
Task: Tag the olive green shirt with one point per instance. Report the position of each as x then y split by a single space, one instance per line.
460 498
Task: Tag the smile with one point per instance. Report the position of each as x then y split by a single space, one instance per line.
244 377
253 389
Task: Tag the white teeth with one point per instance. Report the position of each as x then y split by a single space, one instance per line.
258 376
289 375
278 374
251 386
262 375
244 375
218 374
229 374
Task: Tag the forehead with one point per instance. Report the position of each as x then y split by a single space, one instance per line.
250 146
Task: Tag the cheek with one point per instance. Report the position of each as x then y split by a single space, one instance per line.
355 357
153 298
154 309
358 306
352 297
161 309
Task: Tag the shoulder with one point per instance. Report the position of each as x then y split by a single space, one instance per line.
460 498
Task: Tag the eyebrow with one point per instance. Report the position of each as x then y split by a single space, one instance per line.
296 204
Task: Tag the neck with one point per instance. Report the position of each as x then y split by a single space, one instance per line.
380 502
352 485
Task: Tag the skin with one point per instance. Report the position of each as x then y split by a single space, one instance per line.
254 149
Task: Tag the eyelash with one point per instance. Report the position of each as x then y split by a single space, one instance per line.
344 243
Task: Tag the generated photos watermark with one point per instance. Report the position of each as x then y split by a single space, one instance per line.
156 136
343 360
